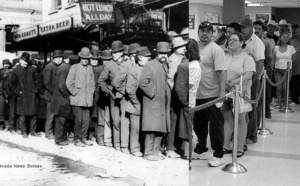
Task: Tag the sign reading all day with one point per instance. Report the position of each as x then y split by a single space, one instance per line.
95 12
25 33
56 25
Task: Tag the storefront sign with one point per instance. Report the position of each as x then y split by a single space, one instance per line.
95 12
56 25
25 33
191 21
149 18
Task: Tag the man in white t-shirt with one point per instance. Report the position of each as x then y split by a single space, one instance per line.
256 48
212 86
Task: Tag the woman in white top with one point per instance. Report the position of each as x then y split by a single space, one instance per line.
238 63
281 56
194 72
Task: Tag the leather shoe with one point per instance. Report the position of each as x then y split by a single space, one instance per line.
86 142
151 158
79 144
50 137
125 150
108 144
35 135
24 135
62 143
138 154
268 116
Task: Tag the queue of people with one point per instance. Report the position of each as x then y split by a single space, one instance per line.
239 57
120 98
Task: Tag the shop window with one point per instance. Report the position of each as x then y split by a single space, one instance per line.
70 2
55 5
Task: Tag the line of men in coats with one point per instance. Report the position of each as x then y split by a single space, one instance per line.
121 90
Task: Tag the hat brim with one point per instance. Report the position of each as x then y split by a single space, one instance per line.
168 51
95 57
24 59
84 56
185 43
145 55
114 51
58 56
105 57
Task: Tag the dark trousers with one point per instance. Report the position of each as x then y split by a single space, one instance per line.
49 121
23 124
153 143
295 88
175 112
213 115
82 122
268 92
13 117
134 133
60 129
255 114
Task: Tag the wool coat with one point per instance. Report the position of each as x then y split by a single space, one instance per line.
97 72
49 79
81 84
121 76
182 91
24 85
156 97
60 101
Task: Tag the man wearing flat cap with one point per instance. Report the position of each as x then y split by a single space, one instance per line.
135 98
176 58
107 85
24 85
49 79
81 84
156 102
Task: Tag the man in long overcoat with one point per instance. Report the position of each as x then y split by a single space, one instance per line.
156 101
49 79
60 101
81 84
24 85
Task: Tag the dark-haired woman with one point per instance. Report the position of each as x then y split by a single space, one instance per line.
281 56
238 63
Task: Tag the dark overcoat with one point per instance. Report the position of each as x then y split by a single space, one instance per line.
97 71
156 97
50 72
182 91
60 101
24 85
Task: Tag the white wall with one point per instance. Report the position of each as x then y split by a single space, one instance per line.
199 11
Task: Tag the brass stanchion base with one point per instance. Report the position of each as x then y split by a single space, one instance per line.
286 110
235 168
264 131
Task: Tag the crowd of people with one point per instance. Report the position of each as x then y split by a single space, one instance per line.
238 55
119 97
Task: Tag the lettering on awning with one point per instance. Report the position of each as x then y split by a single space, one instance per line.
25 33
96 12
56 25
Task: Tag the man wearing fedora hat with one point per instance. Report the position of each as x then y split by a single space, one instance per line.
117 100
49 79
133 106
176 58
81 84
132 52
67 54
156 101
24 85
3 103
60 101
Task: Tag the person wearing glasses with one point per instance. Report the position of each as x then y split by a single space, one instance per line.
238 63
211 87
81 84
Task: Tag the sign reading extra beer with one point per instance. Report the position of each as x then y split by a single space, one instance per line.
56 25
95 12
25 33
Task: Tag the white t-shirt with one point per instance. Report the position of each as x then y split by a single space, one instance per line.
194 79
283 58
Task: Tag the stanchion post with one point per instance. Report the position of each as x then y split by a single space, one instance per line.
263 130
287 109
235 167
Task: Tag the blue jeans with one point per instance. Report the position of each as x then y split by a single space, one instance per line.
213 115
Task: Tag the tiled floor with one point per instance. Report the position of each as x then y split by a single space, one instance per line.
274 160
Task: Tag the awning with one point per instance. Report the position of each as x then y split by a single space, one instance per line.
25 33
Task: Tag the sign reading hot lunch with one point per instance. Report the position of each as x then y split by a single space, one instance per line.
56 25
95 12
25 33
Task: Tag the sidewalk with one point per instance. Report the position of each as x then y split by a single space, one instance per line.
169 172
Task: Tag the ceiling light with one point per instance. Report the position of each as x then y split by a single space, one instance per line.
255 4
247 2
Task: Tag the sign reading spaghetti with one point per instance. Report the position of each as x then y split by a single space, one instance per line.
26 33
95 12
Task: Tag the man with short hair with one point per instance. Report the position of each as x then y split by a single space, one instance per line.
49 79
271 26
255 48
81 84
156 102
212 86
24 85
